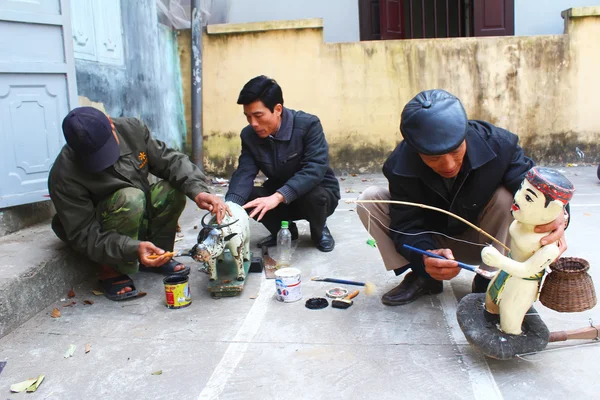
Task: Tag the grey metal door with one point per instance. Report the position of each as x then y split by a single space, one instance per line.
37 89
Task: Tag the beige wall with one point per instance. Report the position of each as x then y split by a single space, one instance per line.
543 88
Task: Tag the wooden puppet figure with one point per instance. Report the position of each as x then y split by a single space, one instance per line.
543 195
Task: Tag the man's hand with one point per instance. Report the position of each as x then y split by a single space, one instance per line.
439 269
557 233
263 204
214 204
146 249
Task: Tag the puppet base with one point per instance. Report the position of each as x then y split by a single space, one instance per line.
482 331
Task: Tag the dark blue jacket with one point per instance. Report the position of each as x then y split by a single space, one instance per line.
493 158
295 160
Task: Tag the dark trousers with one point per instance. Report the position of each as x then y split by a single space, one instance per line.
315 206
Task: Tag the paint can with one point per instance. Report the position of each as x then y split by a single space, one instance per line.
177 291
287 282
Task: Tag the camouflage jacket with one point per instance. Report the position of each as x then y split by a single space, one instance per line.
76 192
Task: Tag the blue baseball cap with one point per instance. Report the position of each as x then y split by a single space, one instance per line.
434 122
89 133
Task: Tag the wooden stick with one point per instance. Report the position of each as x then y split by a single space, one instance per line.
591 332
406 203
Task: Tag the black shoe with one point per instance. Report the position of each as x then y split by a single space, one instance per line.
271 240
412 287
479 284
326 242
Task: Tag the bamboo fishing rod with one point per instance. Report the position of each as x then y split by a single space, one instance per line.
407 203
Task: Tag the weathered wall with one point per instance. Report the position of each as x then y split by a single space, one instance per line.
148 85
538 87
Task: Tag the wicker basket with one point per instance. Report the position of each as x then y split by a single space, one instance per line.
568 287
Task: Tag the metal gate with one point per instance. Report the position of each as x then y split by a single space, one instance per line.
37 89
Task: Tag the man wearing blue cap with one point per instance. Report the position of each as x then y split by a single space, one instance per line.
106 207
470 168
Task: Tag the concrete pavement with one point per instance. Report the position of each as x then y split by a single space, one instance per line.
254 347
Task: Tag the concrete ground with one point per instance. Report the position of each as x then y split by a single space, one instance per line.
255 347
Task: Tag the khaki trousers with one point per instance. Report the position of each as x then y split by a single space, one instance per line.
495 219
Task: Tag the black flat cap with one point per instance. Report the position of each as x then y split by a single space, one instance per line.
434 122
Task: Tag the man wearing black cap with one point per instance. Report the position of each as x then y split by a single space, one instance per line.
107 209
289 147
470 168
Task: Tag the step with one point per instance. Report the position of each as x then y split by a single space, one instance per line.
36 268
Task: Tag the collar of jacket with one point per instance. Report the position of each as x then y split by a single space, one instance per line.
409 164
285 129
122 144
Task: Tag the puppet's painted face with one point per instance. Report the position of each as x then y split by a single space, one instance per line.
529 206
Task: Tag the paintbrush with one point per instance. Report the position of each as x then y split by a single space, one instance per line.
171 254
345 302
369 287
472 268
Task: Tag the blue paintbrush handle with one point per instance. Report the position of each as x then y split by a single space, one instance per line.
334 280
462 265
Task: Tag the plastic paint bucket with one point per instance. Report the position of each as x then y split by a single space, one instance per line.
177 291
287 282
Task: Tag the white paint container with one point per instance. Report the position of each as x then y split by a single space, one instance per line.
287 282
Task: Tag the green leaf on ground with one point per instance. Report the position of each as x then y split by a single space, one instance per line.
70 351
159 372
37 383
19 387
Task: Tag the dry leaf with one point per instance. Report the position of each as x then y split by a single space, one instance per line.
55 313
70 304
363 180
90 302
177 239
353 174
97 292
159 372
195 226
70 351
36 384
587 214
71 294
342 179
254 296
19 387
88 347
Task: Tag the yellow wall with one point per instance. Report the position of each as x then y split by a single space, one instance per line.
536 86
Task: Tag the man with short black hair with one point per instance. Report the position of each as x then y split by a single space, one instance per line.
470 168
289 147
107 209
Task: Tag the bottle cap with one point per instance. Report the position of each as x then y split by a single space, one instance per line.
284 224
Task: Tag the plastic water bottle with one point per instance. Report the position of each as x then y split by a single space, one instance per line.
284 246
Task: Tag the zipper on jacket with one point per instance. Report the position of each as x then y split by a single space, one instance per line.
274 150
458 190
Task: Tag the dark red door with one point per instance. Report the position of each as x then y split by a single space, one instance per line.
370 28
391 17
493 17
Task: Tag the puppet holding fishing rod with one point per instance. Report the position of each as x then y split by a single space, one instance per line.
497 322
